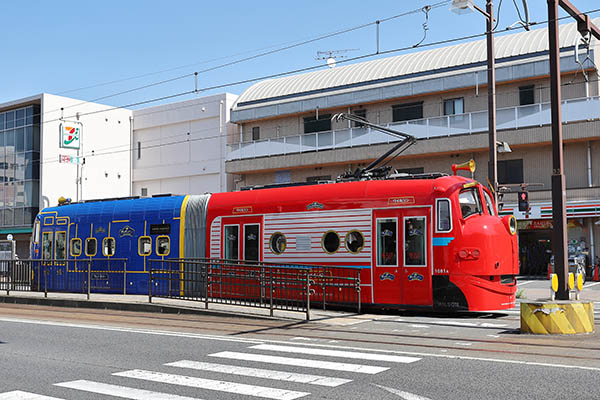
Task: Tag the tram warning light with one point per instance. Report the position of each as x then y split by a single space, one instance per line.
523 201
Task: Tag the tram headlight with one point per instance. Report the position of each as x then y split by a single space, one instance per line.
510 222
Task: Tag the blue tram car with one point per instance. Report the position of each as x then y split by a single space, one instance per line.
117 238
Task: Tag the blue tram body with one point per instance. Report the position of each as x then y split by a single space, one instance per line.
126 232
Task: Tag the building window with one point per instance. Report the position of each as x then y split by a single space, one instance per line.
284 176
362 113
510 171
411 171
144 192
405 112
321 178
312 124
454 106
139 147
256 133
526 95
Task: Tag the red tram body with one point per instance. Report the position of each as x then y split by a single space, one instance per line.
434 243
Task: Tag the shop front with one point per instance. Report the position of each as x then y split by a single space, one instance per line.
535 234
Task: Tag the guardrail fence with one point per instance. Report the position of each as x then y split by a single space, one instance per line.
253 284
67 276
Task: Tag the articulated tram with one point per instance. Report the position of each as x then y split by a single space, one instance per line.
426 241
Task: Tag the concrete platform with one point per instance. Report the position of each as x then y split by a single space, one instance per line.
557 317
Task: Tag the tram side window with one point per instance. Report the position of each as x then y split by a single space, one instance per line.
108 246
355 241
75 247
251 233
386 242
231 242
278 243
444 216
162 246
91 247
414 241
36 232
47 246
61 242
145 245
489 204
469 203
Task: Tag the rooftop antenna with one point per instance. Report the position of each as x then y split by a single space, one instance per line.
332 55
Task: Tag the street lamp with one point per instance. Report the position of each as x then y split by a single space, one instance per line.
463 7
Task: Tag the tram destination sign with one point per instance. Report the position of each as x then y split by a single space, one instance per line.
160 229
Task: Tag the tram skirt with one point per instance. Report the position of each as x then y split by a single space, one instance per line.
557 317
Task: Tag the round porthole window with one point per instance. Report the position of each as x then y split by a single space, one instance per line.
330 242
278 242
355 241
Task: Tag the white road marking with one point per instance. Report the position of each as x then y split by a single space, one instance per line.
19 395
419 326
404 395
261 373
521 283
464 343
590 285
301 362
209 384
229 339
336 353
123 392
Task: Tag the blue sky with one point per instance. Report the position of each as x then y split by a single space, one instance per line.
61 47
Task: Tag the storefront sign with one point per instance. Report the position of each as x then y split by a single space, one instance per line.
535 224
70 136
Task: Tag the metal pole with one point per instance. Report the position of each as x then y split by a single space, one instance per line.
125 277
46 281
559 216
307 295
149 281
491 80
89 278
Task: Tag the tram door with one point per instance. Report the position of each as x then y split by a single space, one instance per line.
402 256
242 238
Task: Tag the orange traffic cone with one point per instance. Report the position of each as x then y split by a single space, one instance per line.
596 279
549 271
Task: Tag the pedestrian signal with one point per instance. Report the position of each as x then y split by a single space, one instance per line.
523 201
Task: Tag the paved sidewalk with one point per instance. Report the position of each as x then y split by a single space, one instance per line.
140 303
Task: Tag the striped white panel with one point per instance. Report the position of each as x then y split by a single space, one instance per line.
19 395
123 392
337 353
301 362
215 238
261 373
209 384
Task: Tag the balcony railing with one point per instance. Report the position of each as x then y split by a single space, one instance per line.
448 125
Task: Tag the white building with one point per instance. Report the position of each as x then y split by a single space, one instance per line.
180 148
36 168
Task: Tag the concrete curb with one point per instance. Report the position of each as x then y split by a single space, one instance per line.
132 307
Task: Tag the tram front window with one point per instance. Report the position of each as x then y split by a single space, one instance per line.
469 203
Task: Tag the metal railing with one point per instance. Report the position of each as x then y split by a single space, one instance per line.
447 125
66 276
253 284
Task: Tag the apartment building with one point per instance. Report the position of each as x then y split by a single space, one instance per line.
439 96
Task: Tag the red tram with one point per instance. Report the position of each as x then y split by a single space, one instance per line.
431 242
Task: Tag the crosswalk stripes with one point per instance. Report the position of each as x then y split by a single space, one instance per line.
300 362
261 373
336 353
224 386
123 392
209 384
20 395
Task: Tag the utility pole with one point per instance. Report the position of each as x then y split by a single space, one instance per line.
559 215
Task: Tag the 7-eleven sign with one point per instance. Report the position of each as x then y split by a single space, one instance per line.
70 135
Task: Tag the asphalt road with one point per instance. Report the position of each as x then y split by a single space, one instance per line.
99 354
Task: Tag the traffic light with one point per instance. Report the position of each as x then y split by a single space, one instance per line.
523 201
